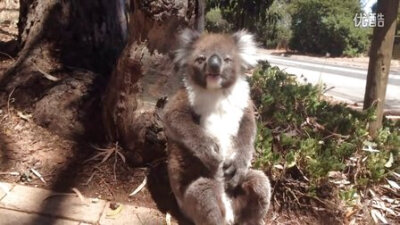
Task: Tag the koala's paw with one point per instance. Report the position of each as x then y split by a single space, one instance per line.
208 153
233 174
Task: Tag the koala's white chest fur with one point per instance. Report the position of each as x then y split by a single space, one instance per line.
221 112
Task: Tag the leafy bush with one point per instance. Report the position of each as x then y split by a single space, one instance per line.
274 31
215 22
298 128
327 27
242 14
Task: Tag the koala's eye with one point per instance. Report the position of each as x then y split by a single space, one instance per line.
200 59
227 59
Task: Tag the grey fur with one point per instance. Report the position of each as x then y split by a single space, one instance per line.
198 175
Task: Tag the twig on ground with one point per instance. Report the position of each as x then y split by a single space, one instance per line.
358 162
9 56
45 74
115 167
168 218
8 101
106 153
140 220
295 197
279 180
90 178
140 187
77 193
38 175
108 187
81 197
26 117
10 173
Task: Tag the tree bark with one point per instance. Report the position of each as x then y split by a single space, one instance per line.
145 75
379 62
69 47
60 43
55 33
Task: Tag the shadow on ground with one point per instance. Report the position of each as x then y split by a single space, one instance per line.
5 163
159 187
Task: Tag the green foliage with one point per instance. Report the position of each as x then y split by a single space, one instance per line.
327 26
296 127
314 26
245 13
215 22
275 31
253 15
349 196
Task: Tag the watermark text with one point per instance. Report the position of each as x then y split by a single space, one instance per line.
369 20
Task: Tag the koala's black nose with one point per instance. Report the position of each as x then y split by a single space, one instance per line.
214 63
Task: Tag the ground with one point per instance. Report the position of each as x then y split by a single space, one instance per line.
63 164
28 151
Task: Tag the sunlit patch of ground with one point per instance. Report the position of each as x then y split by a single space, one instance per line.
9 11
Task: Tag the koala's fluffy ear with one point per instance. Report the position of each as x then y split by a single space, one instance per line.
186 39
247 48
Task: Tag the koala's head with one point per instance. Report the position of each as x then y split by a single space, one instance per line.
215 61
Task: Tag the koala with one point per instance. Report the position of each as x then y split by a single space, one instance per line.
210 128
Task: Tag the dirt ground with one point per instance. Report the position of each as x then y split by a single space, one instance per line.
61 162
63 165
28 151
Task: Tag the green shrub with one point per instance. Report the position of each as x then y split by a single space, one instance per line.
297 128
327 26
274 31
215 22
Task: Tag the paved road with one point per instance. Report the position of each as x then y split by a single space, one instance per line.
23 205
344 83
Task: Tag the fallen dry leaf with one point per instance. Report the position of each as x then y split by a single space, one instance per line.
140 187
377 216
168 218
389 163
38 175
80 196
393 184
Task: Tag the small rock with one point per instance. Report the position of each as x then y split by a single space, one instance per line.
114 205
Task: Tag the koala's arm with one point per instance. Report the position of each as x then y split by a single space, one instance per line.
237 168
181 127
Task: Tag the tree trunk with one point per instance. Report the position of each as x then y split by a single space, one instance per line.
67 51
60 42
379 62
55 33
145 75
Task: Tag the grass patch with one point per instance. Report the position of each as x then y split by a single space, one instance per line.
305 139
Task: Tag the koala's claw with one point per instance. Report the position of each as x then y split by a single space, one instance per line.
229 169
233 174
209 156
